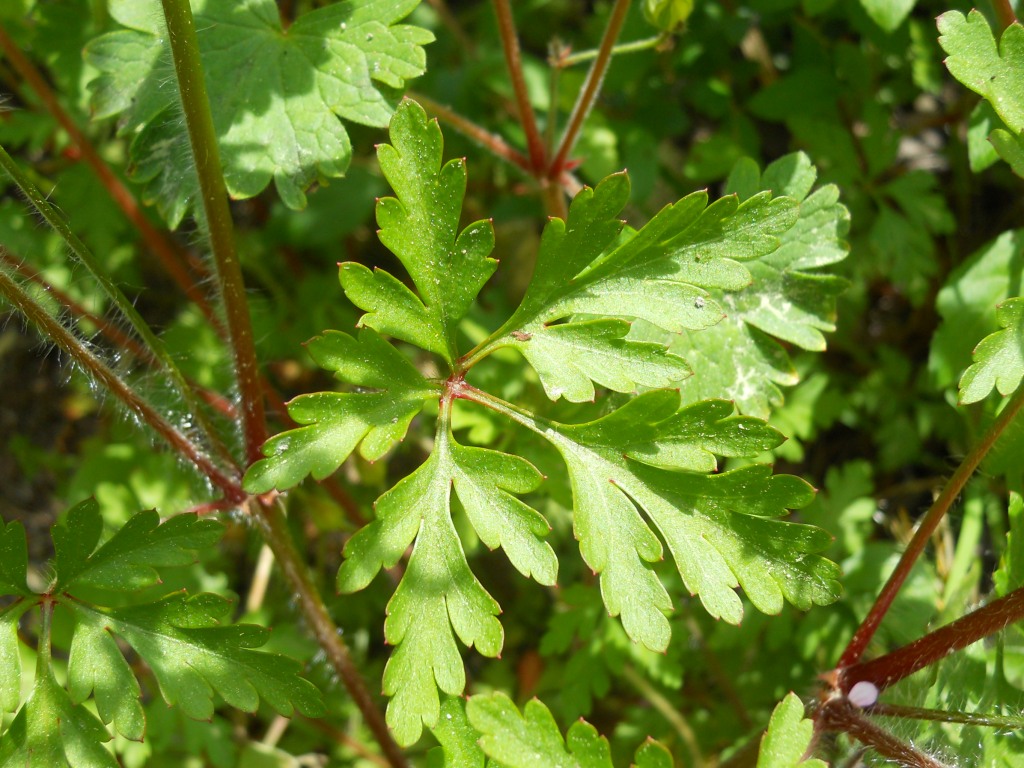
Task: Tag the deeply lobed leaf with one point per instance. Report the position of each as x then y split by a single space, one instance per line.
787 738
128 560
438 592
421 227
338 422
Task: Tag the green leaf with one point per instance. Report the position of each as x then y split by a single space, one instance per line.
888 14
999 358
1010 573
421 227
51 731
438 592
193 655
276 95
667 15
661 274
97 667
788 736
458 739
1010 147
716 526
786 296
10 660
568 357
13 559
532 738
652 754
338 422
993 72
127 561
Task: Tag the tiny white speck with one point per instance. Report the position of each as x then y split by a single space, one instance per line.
863 694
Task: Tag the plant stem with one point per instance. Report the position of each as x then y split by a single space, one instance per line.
489 141
275 531
110 381
116 296
591 87
163 248
181 33
510 45
632 47
859 642
1004 12
840 715
670 713
893 667
943 716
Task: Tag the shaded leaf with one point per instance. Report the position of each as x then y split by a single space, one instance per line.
264 82
127 561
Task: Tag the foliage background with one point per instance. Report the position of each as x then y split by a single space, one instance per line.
857 85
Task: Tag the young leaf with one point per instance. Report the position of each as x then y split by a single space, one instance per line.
193 655
438 591
999 358
532 738
338 422
127 561
421 227
276 94
788 737
660 274
51 730
992 71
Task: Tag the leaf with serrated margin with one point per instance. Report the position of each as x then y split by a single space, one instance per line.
660 274
338 422
127 561
13 559
716 526
787 738
51 731
786 298
571 357
421 227
264 82
532 738
438 592
193 655
993 71
97 667
999 358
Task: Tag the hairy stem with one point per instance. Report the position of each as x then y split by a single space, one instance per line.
275 531
184 44
162 247
892 667
106 378
839 715
591 88
513 58
944 716
859 642
116 296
